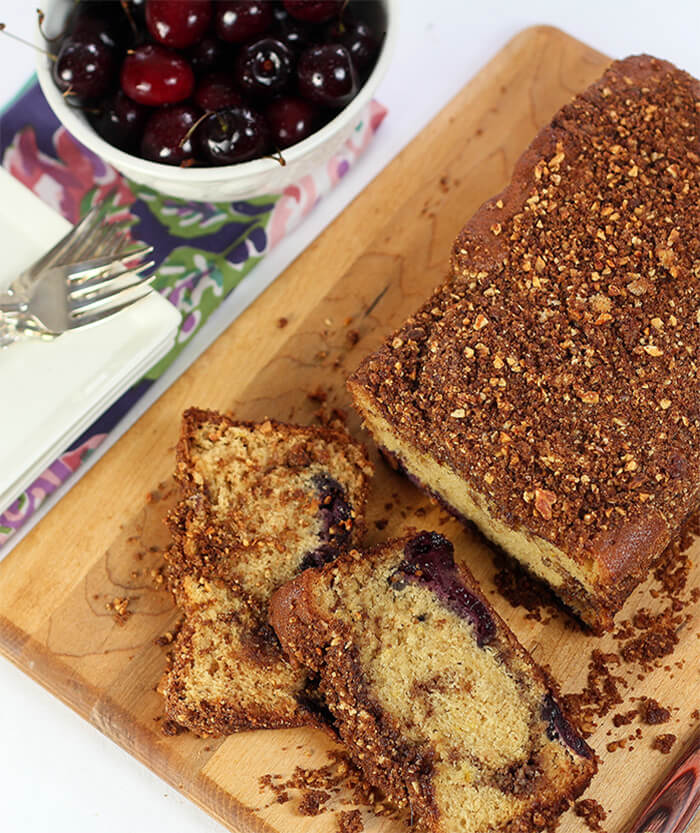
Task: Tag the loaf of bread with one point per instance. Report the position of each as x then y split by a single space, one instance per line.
435 699
548 390
260 503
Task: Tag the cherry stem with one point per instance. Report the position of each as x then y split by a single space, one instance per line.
41 18
277 156
4 31
127 11
189 133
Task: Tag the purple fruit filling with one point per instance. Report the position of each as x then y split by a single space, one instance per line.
559 727
336 522
335 511
320 556
429 560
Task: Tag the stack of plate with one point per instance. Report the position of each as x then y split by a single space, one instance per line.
50 392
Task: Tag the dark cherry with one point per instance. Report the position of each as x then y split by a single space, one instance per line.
154 75
296 34
357 37
559 726
235 134
290 120
167 136
264 67
85 67
121 122
428 559
207 54
327 76
313 11
217 91
97 20
177 23
237 21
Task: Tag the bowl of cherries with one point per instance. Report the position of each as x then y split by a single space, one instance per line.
214 100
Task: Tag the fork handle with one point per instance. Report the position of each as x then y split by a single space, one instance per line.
672 808
8 331
12 302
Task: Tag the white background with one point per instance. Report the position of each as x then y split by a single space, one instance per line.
57 772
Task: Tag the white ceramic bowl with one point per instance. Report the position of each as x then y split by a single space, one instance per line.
228 182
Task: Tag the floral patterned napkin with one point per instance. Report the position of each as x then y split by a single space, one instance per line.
204 250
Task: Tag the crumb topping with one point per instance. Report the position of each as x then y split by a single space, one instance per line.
663 743
556 369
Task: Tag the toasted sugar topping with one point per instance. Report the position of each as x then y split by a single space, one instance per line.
558 369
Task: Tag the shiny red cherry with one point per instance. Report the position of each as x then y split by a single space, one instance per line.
121 122
238 20
264 67
327 75
154 75
357 37
217 91
229 136
167 137
290 120
177 23
314 11
85 67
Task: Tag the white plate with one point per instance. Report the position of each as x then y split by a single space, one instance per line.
52 391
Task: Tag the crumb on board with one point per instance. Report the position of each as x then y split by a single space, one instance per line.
338 781
314 802
592 814
653 713
350 821
603 691
663 743
319 394
623 719
119 607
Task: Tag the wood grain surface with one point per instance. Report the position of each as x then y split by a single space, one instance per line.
372 266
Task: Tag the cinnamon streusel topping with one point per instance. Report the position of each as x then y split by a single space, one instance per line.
557 369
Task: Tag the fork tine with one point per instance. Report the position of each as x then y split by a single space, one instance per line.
110 269
107 311
82 235
64 245
112 240
88 269
108 289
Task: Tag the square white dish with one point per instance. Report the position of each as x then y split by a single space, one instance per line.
52 391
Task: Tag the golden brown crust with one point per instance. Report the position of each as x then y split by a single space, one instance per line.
316 638
551 370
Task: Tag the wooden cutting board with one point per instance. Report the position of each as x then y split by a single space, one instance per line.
373 265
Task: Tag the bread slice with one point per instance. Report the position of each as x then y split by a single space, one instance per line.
437 702
260 503
543 391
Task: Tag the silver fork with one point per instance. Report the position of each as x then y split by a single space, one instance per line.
68 297
89 237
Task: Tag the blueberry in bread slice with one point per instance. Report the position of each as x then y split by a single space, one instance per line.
260 503
435 699
547 391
